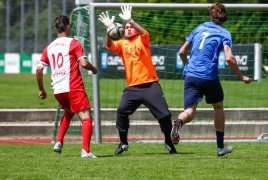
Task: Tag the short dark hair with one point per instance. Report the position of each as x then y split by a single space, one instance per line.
218 13
60 23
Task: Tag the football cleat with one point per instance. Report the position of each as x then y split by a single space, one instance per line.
224 150
58 148
171 148
175 132
121 147
84 154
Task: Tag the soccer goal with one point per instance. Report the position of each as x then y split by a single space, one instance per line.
246 109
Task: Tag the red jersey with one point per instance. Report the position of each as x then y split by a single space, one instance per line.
63 56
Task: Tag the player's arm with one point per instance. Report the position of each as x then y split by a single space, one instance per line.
231 61
126 16
87 65
183 51
79 52
105 19
39 78
109 41
137 27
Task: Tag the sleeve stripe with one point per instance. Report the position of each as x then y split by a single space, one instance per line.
81 57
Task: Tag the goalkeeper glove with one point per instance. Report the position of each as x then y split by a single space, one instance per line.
105 19
126 9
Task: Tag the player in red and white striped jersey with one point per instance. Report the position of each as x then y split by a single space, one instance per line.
63 56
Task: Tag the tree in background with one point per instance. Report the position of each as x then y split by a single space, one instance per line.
29 26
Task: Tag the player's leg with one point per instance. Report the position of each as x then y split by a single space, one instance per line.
219 119
80 104
129 102
64 125
154 100
187 115
192 96
214 95
219 123
87 129
183 118
65 120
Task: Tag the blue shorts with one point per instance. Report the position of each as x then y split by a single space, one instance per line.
195 88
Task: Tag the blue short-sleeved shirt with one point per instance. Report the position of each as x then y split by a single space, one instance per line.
207 39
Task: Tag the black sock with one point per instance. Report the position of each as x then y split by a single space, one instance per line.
168 138
123 135
220 136
181 122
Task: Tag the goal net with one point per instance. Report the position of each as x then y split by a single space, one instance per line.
246 110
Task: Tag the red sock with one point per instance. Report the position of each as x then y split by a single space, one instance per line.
86 133
64 125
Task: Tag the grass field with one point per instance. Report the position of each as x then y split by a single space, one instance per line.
21 91
142 161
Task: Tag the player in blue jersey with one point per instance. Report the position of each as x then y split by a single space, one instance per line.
201 73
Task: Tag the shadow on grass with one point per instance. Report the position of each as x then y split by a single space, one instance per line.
170 154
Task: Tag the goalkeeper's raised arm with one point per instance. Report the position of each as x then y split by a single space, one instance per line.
107 21
126 16
132 28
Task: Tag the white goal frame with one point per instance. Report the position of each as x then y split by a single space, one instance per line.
147 6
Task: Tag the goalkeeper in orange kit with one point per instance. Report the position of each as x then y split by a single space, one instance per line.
143 87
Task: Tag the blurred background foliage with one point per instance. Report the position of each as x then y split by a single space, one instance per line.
195 1
258 20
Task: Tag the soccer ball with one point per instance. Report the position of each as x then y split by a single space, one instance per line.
263 137
116 31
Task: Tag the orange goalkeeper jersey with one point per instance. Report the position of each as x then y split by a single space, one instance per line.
137 59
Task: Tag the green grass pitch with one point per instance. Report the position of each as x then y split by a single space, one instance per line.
21 91
142 161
